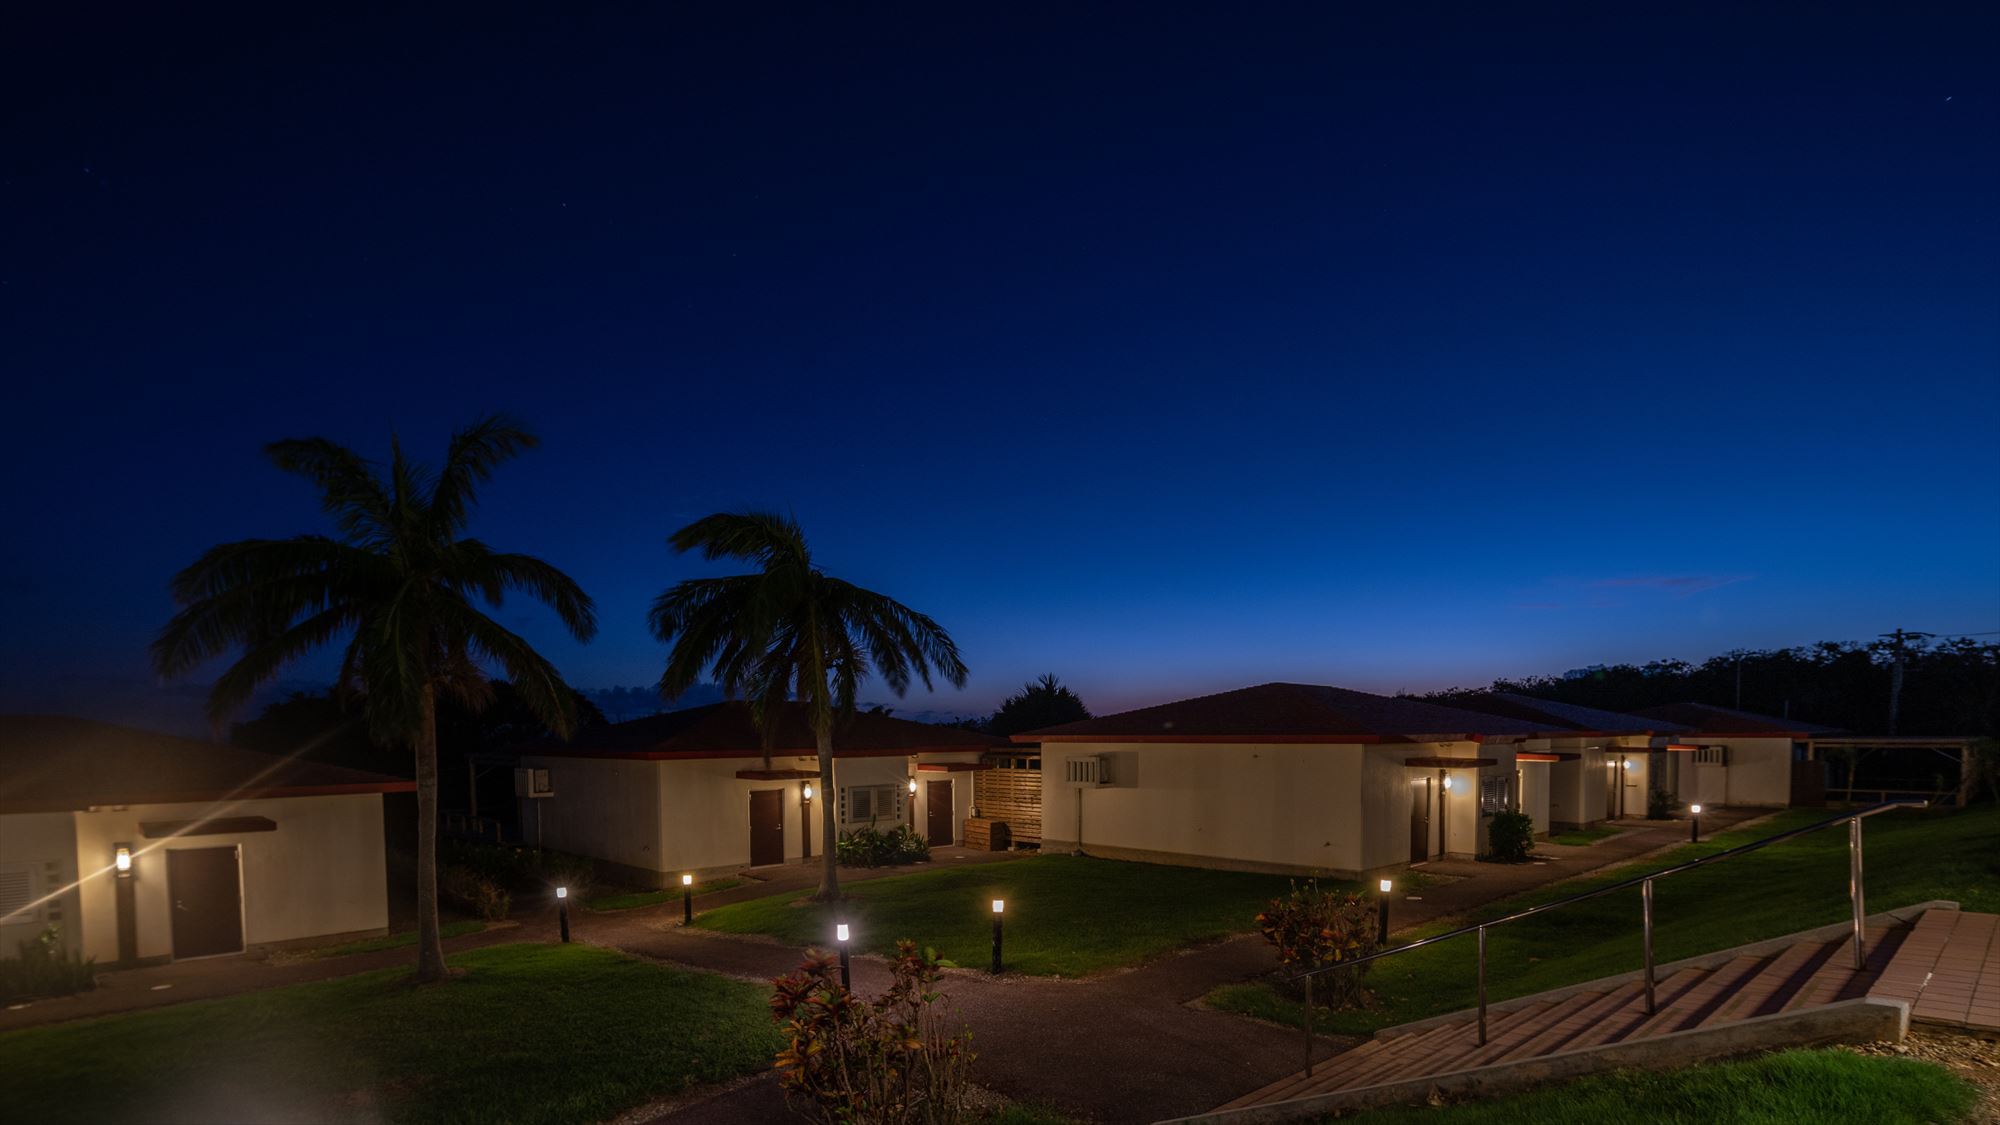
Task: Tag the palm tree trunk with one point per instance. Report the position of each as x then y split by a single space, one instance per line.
430 944
829 880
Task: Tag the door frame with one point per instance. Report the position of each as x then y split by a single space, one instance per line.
751 815
1420 808
242 903
930 810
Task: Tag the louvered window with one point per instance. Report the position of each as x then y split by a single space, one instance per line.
17 890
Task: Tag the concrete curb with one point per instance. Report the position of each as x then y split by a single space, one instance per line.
1861 1020
1902 915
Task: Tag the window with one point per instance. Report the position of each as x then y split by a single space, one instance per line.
17 890
1493 796
1712 756
862 803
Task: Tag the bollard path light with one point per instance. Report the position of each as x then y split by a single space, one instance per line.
1382 912
1694 833
999 908
562 910
687 900
840 939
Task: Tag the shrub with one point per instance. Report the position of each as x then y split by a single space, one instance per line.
467 889
522 870
1660 804
865 847
852 1062
1315 929
1510 836
45 967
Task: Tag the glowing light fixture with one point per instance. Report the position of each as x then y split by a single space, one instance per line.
998 906
1626 765
840 936
913 787
809 790
840 932
562 911
1696 809
1447 781
687 900
122 859
562 892
1387 885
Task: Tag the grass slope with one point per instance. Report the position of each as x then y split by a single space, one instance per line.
529 1033
1826 1087
1066 915
395 941
1910 857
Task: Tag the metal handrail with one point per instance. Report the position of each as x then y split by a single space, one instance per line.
1645 884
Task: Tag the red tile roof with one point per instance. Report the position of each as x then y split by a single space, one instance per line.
54 763
1704 718
1282 712
1562 718
725 730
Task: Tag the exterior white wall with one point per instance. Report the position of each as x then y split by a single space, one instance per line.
321 872
44 846
1760 771
1534 793
1284 807
605 808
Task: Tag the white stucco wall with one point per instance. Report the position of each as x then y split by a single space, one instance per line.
1535 793
1760 771
606 808
43 845
321 872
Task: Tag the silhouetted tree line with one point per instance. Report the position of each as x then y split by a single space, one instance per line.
1950 687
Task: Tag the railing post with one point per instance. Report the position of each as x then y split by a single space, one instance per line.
1854 889
1482 986
1309 1026
1646 916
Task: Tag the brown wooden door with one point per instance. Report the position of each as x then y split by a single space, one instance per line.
937 813
767 827
1420 821
206 895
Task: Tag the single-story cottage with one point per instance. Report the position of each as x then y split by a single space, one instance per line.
1738 758
1297 778
138 846
1600 765
687 792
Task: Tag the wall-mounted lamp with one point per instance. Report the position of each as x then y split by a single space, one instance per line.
121 858
913 787
809 791
1447 781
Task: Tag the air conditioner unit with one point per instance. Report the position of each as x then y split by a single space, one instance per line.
1090 772
532 783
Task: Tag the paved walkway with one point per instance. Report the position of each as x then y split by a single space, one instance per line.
1125 1046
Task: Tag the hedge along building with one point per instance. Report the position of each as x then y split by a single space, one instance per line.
1591 765
687 792
1728 757
1293 778
138 846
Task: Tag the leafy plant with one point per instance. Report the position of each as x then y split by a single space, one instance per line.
1660 804
1510 836
865 847
849 1061
522 870
1315 929
469 890
45 967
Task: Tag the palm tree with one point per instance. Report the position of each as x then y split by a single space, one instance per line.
399 582
790 631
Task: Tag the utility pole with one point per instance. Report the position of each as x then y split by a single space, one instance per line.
1896 673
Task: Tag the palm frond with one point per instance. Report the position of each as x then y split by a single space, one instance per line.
765 538
349 490
473 565
469 462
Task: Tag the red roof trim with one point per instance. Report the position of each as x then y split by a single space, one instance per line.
211 796
1449 763
951 767
1541 756
711 755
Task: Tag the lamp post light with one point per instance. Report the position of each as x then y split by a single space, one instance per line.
562 910
1694 833
840 939
687 900
1382 912
999 908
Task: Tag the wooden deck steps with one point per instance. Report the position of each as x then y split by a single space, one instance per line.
1947 964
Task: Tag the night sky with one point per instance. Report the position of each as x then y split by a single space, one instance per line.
1166 348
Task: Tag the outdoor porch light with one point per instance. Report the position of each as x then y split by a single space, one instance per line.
562 911
840 938
1447 781
999 905
809 791
687 900
1626 765
913 787
122 860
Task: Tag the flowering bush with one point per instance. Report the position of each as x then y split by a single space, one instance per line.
865 847
848 1061
1314 929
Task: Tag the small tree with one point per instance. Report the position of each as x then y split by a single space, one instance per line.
1510 837
1314 929
847 1061
1045 703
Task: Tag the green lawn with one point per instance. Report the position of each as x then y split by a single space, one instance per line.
632 900
1791 1088
1066 915
1910 857
1577 838
528 1033
395 941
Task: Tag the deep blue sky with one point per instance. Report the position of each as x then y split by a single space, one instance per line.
1167 348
